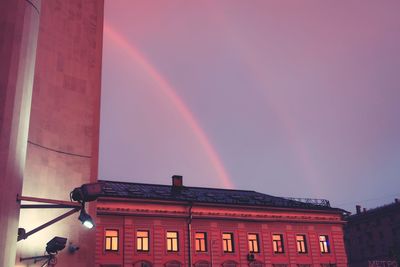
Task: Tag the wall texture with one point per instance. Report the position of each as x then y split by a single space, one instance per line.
64 125
19 25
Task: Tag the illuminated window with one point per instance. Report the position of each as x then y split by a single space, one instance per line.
172 241
277 243
111 240
142 240
301 243
227 242
201 242
253 243
324 244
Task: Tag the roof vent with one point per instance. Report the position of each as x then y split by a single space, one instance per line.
177 181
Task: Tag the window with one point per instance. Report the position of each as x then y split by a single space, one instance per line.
229 264
277 243
202 263
256 264
324 244
142 240
201 242
111 240
172 241
253 243
301 243
142 264
227 242
173 263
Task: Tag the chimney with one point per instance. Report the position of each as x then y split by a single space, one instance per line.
177 181
396 200
364 209
358 209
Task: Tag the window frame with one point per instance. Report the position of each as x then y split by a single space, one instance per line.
142 238
168 239
198 241
252 241
111 238
232 242
324 244
304 242
275 243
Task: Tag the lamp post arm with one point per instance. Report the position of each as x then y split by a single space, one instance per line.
48 201
59 218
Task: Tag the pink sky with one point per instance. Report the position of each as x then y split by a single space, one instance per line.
287 98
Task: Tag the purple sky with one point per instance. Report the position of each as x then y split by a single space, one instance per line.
289 98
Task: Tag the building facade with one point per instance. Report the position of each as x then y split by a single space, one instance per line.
158 225
373 236
19 27
62 145
50 78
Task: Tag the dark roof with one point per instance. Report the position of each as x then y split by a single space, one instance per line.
388 209
205 195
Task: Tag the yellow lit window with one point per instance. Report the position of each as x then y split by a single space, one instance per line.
142 240
301 243
111 240
172 241
253 243
201 242
324 244
227 242
277 243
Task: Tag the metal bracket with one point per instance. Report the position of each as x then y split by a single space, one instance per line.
50 260
51 203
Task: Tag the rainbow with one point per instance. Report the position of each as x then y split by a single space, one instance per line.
167 89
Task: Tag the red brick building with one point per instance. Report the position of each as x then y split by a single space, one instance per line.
159 225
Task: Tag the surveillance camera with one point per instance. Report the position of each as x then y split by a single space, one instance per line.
55 245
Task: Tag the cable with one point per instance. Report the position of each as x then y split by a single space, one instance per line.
58 151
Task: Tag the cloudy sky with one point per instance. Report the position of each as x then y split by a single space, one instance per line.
289 98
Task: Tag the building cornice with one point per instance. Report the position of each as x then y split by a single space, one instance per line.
172 209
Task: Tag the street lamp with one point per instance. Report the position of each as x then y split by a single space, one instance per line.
86 219
82 194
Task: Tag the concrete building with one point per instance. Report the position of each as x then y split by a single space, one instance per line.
50 75
63 136
19 26
373 236
158 225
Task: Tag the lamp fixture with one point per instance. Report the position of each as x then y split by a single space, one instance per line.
86 219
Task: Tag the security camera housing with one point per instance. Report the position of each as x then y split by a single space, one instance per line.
55 245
